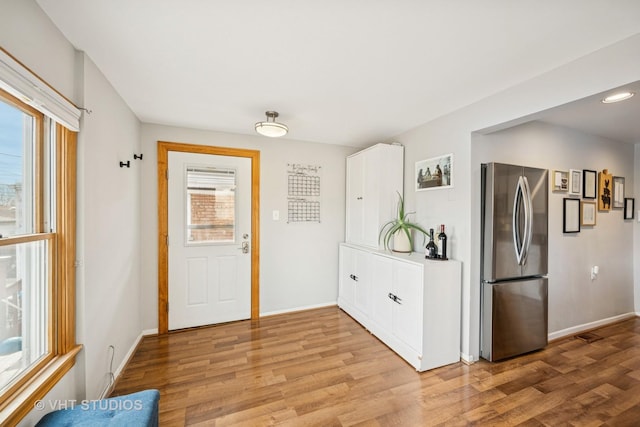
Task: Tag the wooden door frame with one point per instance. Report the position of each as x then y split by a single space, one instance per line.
163 225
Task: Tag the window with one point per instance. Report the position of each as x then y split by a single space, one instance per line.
37 233
211 205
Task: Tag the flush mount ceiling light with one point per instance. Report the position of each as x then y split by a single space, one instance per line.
271 128
617 97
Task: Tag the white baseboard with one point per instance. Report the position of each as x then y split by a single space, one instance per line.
292 310
591 325
467 358
147 332
125 361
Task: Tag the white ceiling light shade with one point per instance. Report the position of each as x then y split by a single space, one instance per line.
617 97
271 128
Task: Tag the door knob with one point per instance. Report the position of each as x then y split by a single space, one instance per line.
244 247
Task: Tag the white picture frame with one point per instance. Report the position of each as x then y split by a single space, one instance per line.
434 173
560 181
575 182
618 192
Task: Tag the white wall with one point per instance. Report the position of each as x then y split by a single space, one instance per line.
108 228
27 33
574 299
298 262
459 208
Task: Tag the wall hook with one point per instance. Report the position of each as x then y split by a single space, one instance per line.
136 157
127 164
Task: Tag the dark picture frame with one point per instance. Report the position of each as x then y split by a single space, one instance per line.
570 215
589 184
629 207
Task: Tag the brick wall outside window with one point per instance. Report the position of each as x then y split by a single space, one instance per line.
215 209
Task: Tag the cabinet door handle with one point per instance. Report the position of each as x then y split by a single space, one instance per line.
359 198
353 277
395 298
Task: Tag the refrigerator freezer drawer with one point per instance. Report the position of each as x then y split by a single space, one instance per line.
514 316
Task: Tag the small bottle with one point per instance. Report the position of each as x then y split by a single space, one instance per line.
442 243
431 249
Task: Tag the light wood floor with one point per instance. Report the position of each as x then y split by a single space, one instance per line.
321 368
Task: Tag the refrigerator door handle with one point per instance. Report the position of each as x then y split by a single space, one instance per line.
518 242
528 219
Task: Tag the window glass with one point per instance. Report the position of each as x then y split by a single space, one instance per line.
17 181
24 314
211 204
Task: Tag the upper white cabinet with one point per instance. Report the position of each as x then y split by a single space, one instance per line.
374 179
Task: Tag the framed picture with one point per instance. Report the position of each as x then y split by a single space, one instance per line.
434 173
575 182
605 182
571 215
618 192
588 213
560 181
629 207
589 186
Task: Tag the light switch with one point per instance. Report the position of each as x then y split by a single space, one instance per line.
276 215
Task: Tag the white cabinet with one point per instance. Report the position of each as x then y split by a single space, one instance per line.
410 303
374 179
354 286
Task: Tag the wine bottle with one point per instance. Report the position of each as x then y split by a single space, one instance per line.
431 249
442 243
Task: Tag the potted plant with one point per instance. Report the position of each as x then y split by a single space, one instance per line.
400 229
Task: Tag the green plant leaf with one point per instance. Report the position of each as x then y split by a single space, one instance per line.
400 223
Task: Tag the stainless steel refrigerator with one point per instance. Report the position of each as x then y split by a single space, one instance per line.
514 260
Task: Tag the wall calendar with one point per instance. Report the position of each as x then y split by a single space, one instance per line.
303 193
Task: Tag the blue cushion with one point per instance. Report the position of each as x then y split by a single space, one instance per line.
10 345
136 409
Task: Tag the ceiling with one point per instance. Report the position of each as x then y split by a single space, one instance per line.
350 72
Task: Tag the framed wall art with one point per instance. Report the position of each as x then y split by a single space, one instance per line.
434 173
618 192
605 182
575 182
589 186
588 213
560 181
570 215
629 207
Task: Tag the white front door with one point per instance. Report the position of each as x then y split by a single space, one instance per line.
209 224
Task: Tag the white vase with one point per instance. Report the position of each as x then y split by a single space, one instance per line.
401 242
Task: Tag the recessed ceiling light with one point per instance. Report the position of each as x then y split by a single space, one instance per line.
617 97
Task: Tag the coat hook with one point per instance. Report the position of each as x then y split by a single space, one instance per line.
136 157
127 164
